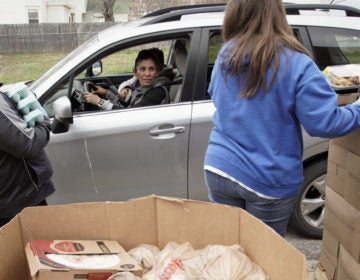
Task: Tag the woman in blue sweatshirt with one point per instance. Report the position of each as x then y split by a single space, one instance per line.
265 86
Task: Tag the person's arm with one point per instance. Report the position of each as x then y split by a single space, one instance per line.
317 107
16 138
97 101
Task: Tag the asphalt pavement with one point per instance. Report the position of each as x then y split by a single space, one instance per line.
311 248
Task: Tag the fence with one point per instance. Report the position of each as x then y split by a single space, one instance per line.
51 37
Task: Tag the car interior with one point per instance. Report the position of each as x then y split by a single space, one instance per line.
110 70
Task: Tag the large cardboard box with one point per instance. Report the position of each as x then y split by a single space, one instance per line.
152 220
343 221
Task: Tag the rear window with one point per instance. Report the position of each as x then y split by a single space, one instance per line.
334 46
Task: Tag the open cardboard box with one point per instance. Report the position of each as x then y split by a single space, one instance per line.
152 220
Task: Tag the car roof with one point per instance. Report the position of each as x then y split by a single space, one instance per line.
200 17
213 16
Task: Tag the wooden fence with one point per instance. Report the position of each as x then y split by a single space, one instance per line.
50 37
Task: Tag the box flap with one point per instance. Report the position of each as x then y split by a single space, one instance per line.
12 254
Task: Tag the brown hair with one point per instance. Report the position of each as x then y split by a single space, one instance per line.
259 29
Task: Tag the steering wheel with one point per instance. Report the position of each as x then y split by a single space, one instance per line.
89 86
78 99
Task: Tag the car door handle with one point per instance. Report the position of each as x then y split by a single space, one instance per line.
167 130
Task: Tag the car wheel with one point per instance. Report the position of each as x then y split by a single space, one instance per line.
308 215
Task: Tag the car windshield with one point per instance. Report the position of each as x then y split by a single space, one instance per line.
70 57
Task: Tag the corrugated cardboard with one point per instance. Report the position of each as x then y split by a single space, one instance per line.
348 269
352 190
153 220
343 173
350 141
352 180
44 268
347 98
329 253
343 221
335 177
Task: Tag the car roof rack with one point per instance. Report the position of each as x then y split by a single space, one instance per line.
198 7
175 13
295 9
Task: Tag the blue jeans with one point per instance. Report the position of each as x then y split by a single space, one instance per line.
274 212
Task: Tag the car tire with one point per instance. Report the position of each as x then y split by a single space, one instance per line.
308 215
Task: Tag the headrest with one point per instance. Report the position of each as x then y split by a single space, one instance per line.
180 56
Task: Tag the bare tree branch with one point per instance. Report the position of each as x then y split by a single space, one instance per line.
108 10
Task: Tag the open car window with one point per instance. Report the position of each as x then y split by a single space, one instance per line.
113 68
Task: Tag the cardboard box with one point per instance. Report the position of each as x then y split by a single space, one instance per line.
352 190
335 177
329 253
343 221
76 259
152 220
347 98
350 141
343 172
352 180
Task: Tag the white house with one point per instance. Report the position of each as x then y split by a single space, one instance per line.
42 11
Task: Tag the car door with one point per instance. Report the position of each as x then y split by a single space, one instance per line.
118 154
121 154
202 111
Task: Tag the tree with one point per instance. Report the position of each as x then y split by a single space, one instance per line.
108 10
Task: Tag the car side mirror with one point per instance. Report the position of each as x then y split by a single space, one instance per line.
97 68
63 116
94 70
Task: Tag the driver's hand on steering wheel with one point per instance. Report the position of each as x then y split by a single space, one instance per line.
91 98
100 90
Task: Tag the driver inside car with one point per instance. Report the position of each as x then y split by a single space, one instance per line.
149 88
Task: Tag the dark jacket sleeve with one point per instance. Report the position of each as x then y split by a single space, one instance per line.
152 97
15 137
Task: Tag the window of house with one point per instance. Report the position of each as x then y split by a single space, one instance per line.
33 15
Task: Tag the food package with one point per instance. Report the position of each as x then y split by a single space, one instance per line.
181 262
124 275
343 76
71 259
145 255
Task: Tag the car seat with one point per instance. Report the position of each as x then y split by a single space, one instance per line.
180 56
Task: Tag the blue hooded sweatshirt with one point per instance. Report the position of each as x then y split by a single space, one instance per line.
258 141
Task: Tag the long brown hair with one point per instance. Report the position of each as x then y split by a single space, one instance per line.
259 30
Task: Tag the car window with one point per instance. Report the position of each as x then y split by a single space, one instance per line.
117 66
334 46
215 43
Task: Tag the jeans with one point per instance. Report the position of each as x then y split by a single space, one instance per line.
274 212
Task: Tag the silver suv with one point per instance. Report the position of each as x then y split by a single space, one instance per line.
127 153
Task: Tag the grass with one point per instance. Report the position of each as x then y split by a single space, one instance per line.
16 67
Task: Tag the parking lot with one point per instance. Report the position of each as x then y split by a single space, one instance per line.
311 248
